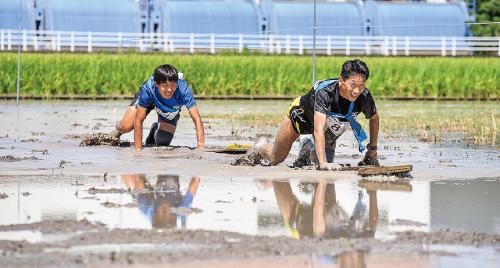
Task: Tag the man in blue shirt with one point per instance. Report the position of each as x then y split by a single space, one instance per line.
166 93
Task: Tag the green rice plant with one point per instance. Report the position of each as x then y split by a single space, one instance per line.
95 74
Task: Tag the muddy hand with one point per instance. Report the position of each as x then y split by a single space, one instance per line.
329 166
370 159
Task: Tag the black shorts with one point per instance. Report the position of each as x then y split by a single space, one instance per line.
297 116
135 102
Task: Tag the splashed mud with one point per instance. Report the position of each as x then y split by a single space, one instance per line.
251 158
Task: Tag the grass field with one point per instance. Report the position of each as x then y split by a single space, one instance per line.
258 75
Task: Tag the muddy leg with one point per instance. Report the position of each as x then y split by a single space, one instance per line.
127 123
277 152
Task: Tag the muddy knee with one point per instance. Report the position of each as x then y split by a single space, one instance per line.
124 127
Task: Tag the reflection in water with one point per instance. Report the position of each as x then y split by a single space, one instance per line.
157 201
323 216
349 259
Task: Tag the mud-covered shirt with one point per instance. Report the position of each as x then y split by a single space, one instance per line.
328 99
150 97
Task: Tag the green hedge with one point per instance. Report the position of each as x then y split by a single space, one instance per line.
119 74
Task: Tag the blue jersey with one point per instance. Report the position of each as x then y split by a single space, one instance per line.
150 97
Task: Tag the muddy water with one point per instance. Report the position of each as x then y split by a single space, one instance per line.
43 138
55 195
37 205
255 207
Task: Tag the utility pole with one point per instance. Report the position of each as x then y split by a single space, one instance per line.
314 46
19 51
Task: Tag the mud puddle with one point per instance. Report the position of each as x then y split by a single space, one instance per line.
349 209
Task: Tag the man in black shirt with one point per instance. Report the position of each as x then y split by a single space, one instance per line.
325 111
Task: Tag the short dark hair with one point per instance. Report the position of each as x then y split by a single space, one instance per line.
353 67
164 73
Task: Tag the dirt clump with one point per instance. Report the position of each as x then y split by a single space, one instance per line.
108 204
30 140
43 151
35 133
72 137
62 163
94 190
407 222
100 138
11 158
183 211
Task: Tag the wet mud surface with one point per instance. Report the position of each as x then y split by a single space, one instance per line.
65 124
69 205
121 247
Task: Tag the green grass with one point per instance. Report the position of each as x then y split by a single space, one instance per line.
122 74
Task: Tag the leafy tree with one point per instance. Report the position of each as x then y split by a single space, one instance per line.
487 11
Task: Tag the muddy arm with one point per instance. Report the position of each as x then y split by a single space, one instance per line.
319 226
198 124
319 136
139 119
374 124
193 185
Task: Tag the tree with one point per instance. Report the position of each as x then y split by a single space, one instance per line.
488 11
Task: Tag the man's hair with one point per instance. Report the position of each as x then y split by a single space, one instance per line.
353 67
164 73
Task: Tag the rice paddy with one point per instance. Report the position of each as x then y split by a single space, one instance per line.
47 75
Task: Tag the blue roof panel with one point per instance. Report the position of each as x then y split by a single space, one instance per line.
209 17
339 19
92 15
419 19
9 15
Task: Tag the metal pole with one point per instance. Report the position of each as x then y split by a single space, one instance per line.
314 46
19 51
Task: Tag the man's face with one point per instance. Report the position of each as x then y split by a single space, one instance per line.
352 87
167 89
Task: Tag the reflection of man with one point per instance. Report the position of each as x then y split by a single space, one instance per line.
156 202
323 217
349 259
